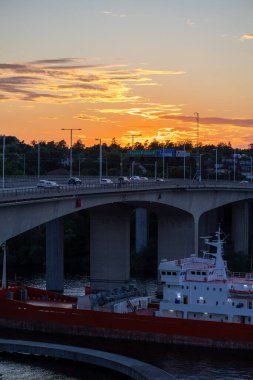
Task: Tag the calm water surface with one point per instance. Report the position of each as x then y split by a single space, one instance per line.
183 363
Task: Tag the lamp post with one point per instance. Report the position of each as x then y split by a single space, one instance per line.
163 160
184 162
216 164
234 164
70 152
100 159
200 171
38 160
250 169
3 161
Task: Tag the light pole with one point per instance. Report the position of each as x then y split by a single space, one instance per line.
100 159
200 171
38 160
216 164
24 165
70 152
234 164
3 161
163 160
250 169
184 162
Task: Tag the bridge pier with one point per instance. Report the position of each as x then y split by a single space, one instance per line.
54 255
109 247
141 229
175 234
240 227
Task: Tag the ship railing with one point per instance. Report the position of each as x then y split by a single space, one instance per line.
242 275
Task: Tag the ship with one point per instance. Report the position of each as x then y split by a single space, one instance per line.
202 304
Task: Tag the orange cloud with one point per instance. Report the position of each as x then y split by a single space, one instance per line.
246 37
69 80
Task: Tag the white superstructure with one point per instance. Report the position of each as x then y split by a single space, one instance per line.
201 288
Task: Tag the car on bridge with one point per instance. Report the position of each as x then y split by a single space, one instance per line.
43 183
123 180
74 181
106 181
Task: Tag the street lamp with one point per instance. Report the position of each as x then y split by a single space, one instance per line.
70 160
38 160
250 168
184 162
100 159
216 164
200 171
234 164
163 160
3 160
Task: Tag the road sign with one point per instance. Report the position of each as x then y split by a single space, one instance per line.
182 153
168 152
142 152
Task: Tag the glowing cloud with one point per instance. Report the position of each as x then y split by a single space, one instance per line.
70 80
246 37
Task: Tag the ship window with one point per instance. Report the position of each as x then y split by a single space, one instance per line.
168 286
163 273
169 273
192 272
226 318
174 273
194 288
198 273
203 273
207 288
214 289
194 315
220 289
187 287
210 316
182 286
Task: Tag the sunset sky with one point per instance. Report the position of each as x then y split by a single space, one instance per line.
118 68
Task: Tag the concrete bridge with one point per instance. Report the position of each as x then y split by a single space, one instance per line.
185 211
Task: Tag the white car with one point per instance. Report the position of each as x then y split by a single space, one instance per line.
144 178
45 184
105 181
135 178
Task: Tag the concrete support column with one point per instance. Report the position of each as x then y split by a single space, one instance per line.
109 247
54 255
175 234
240 227
141 229
196 236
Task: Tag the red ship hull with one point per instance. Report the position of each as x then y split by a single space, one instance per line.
49 318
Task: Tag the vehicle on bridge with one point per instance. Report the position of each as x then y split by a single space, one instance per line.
106 181
47 184
123 180
74 181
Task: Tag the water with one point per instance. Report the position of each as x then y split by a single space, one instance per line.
185 363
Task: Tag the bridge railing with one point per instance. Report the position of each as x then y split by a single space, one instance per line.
91 186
